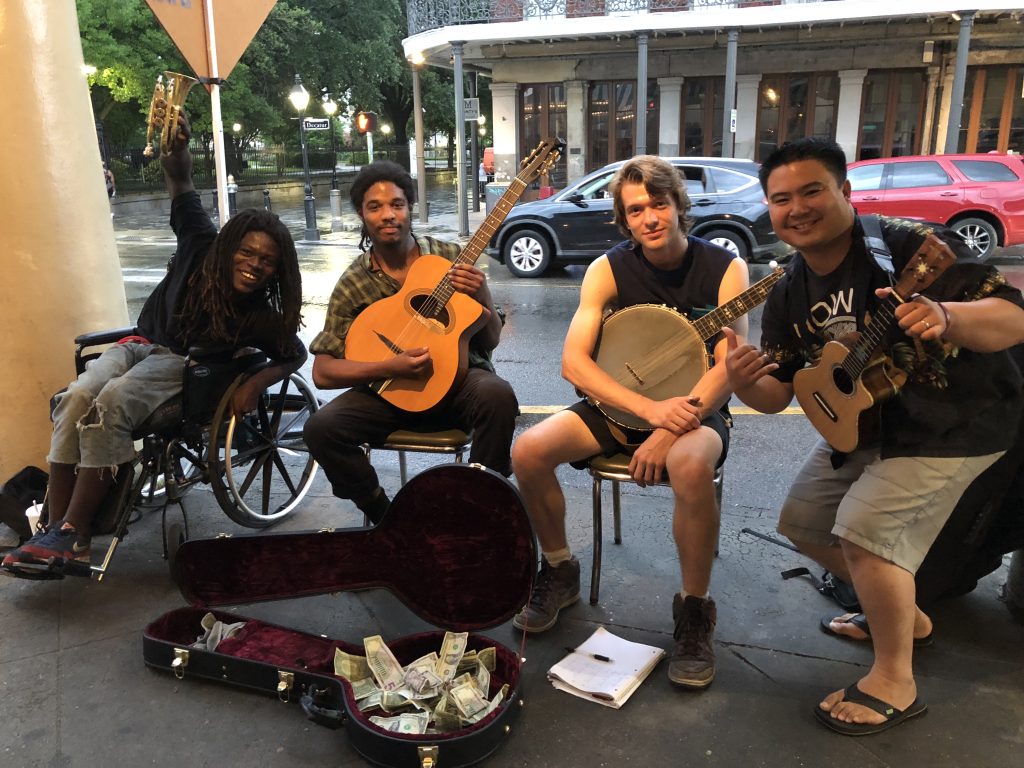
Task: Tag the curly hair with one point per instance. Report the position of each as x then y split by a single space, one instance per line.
659 177
210 304
377 171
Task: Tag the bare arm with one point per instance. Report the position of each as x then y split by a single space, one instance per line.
177 163
471 281
987 325
331 372
248 392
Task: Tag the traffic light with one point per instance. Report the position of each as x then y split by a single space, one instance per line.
366 122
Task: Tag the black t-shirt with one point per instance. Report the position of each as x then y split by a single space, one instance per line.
256 324
955 402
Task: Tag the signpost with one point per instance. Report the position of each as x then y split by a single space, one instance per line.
192 25
471 109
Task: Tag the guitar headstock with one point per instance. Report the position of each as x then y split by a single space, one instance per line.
924 267
541 160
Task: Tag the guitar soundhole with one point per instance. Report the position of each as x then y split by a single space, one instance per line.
430 308
842 381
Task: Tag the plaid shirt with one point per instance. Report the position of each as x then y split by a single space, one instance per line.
361 285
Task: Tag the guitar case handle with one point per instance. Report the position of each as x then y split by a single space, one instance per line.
325 716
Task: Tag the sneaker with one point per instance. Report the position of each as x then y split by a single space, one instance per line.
692 664
15 555
63 543
555 588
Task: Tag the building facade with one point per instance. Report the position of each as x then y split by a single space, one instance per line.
734 77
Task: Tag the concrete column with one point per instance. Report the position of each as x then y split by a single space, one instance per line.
640 145
944 107
851 96
671 92
956 102
460 140
929 110
61 274
729 102
576 129
506 130
746 115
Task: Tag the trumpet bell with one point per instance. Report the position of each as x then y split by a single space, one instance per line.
168 99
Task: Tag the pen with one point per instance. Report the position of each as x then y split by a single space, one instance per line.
596 656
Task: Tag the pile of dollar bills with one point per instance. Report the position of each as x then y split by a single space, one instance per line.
438 693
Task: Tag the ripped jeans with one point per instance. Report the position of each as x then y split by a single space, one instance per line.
94 419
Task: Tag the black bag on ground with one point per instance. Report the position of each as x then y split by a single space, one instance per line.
25 488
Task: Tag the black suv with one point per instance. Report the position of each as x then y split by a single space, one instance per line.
576 225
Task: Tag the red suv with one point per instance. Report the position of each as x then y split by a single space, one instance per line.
979 196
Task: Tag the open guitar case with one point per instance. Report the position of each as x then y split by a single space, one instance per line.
456 547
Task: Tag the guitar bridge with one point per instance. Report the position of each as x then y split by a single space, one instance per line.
825 407
634 374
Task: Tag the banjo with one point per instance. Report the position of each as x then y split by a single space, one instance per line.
655 351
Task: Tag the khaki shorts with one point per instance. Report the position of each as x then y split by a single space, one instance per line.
893 508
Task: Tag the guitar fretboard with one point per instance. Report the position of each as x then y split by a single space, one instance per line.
711 323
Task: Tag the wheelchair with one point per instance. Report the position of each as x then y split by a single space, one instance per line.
257 466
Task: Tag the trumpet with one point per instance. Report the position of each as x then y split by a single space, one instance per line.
164 108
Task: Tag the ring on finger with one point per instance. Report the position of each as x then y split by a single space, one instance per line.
927 325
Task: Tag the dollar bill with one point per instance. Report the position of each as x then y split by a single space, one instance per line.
452 650
493 705
467 699
421 677
483 680
383 665
488 657
350 666
373 701
362 689
404 723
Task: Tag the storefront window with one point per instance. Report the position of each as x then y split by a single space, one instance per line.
891 114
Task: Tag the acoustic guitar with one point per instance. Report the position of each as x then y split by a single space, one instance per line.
842 392
657 352
428 312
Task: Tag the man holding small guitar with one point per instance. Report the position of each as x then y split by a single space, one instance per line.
688 435
947 398
382 194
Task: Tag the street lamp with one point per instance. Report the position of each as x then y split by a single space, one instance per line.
330 108
299 97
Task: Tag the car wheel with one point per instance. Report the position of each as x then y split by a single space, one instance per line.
527 253
730 240
980 236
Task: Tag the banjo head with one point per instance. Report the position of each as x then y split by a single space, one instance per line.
650 349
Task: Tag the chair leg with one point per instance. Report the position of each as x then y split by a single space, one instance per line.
719 477
402 470
595 568
459 454
617 511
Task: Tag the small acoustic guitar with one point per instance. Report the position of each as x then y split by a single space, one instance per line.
428 312
655 351
842 393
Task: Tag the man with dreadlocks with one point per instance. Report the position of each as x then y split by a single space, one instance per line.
382 194
240 288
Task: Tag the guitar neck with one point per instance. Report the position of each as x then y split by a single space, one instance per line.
711 323
871 339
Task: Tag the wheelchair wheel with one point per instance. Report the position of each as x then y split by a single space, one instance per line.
259 466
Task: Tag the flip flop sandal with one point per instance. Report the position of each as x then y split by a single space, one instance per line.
855 695
860 621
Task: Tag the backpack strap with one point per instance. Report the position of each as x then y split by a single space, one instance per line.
874 244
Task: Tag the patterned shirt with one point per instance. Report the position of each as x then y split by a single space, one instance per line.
361 285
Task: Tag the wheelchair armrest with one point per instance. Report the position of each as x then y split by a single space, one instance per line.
96 338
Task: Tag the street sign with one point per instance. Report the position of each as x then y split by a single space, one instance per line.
471 109
235 21
732 121
317 123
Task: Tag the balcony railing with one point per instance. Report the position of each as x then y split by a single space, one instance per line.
425 15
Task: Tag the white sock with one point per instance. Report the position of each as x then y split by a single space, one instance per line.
557 557
684 594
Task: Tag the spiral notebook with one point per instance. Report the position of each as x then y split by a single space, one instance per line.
605 668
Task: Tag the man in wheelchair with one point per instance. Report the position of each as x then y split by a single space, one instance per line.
240 287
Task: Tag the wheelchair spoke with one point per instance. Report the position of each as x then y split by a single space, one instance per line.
253 471
284 472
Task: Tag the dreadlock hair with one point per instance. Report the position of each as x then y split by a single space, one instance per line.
659 177
825 151
210 301
379 170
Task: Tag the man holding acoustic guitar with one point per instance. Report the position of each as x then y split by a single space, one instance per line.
904 337
685 435
392 285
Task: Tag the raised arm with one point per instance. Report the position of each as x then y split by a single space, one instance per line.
177 163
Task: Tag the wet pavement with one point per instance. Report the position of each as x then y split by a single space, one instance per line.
74 690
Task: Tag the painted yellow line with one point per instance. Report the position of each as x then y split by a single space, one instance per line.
738 410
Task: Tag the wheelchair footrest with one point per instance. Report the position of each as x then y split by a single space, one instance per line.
52 568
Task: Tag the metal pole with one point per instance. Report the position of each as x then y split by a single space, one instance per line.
216 120
729 102
474 148
334 157
421 163
641 93
312 233
460 142
956 101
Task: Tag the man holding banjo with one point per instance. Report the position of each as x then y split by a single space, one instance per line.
685 435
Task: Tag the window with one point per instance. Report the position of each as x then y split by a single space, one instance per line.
730 181
984 170
702 114
866 177
543 115
926 173
595 189
891 114
993 110
795 106
612 124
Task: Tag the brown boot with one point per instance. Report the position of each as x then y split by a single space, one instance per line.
692 664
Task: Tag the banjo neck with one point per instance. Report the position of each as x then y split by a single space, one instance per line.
711 323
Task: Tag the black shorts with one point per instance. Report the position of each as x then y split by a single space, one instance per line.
720 421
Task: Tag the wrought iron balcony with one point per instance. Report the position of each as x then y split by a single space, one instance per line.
425 15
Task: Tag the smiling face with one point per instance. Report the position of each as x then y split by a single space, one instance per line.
255 262
810 210
652 219
385 214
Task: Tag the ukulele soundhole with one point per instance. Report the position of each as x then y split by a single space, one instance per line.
842 381
430 308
